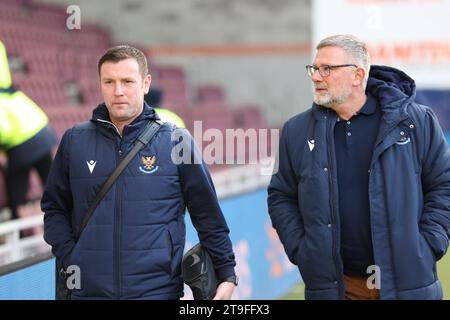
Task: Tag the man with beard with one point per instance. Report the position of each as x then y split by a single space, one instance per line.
362 195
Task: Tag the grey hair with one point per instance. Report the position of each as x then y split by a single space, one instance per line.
354 47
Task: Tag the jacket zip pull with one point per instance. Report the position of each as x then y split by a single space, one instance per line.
120 148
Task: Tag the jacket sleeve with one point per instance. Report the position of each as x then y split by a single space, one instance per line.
283 200
201 200
57 203
435 220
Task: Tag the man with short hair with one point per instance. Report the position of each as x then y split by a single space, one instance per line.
132 246
361 200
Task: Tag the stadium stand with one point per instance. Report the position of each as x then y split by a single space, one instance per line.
59 72
57 68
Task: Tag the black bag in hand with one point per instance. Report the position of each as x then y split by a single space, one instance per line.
61 290
198 273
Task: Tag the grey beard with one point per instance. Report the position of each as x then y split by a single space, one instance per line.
330 102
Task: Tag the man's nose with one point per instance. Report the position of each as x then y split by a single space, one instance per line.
118 89
316 77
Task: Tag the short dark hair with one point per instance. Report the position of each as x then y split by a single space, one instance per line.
123 52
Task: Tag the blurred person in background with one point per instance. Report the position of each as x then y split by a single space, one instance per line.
132 246
361 200
25 138
154 99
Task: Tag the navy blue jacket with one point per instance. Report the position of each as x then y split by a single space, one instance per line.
409 192
133 244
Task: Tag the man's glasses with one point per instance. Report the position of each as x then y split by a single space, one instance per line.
325 70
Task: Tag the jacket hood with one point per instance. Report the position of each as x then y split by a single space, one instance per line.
393 89
391 86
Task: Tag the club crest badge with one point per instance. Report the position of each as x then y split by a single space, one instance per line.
148 164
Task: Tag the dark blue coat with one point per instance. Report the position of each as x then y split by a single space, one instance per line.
409 192
133 244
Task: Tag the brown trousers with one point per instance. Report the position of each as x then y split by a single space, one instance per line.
356 289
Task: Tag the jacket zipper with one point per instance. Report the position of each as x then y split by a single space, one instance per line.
117 220
119 239
336 259
117 230
114 126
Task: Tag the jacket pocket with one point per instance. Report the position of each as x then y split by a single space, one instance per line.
170 250
304 263
428 251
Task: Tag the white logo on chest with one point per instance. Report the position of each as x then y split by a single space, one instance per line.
311 145
91 165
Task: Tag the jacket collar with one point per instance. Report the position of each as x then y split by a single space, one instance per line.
100 115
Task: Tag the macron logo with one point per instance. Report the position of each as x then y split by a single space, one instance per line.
196 259
311 145
91 165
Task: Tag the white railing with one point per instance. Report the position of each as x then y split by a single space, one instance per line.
229 182
239 180
16 248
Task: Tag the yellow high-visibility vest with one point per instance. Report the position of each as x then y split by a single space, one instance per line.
20 119
170 116
5 75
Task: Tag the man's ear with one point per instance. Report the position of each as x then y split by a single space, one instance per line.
147 81
360 73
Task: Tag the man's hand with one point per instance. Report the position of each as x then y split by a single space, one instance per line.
224 291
